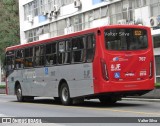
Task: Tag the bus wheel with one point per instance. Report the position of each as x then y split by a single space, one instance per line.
20 98
65 94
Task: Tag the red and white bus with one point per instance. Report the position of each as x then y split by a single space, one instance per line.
107 63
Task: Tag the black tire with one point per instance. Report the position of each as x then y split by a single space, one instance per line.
19 95
65 95
108 100
28 98
57 99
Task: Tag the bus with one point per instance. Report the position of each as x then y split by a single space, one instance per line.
105 63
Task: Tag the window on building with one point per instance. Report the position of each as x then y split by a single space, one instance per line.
51 54
66 2
88 18
156 41
158 79
97 13
154 1
28 10
53 29
46 29
35 7
61 26
155 7
19 59
77 22
30 36
128 11
112 9
104 11
157 62
141 3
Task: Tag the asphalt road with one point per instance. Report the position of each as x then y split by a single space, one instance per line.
47 107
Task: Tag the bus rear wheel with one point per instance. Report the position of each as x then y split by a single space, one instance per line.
65 94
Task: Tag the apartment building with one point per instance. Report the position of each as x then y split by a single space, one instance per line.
42 19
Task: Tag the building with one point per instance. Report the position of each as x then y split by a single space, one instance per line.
42 19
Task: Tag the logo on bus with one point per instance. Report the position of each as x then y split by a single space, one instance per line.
115 67
143 73
117 75
115 59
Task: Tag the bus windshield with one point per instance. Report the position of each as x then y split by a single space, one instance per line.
120 39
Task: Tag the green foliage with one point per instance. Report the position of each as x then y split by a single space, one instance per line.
2 86
9 26
157 84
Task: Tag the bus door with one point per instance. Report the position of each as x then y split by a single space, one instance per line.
9 69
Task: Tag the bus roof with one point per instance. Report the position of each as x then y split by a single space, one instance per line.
71 35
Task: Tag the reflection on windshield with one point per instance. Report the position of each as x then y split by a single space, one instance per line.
126 39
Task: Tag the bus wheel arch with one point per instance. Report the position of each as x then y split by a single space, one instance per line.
64 92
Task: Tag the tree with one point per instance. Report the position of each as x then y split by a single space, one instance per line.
9 26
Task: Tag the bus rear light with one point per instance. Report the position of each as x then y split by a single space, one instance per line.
151 69
104 70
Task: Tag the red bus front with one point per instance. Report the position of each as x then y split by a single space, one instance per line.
124 60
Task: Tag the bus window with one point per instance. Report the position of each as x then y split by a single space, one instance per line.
64 53
19 59
90 43
126 39
39 55
78 49
51 54
10 63
61 52
28 57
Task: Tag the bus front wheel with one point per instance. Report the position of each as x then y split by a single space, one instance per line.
20 98
65 94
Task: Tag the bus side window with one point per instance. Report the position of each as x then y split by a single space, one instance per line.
10 62
39 55
78 47
51 54
19 60
61 52
90 45
28 62
67 57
